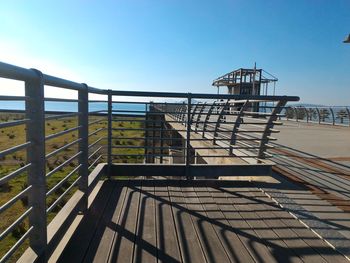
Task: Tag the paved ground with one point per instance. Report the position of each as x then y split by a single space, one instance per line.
321 140
315 160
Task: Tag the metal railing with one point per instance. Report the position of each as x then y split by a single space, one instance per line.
321 115
228 125
59 150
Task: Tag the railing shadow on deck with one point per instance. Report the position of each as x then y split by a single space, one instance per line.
106 206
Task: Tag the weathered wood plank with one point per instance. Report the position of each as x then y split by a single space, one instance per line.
327 252
256 247
78 244
210 242
244 205
191 250
145 242
191 221
100 246
167 242
234 247
124 237
291 229
263 209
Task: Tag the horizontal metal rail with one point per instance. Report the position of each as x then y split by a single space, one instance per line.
96 142
96 121
9 229
14 199
15 173
61 100
95 161
49 155
55 135
13 98
202 122
96 131
19 242
13 123
59 199
59 167
65 179
14 149
61 116
95 152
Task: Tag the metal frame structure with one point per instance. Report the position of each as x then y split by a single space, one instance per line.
161 127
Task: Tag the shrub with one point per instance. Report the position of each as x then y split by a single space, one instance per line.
24 199
55 146
66 184
57 161
5 188
57 208
19 230
51 167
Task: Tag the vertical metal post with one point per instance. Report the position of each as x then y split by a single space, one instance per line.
161 135
319 115
199 116
237 124
333 117
194 112
307 114
183 113
83 122
220 117
188 137
146 135
35 133
109 135
154 119
296 114
269 125
207 118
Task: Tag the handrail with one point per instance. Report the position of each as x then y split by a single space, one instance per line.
322 115
147 136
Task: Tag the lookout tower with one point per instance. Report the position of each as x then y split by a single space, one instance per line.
245 81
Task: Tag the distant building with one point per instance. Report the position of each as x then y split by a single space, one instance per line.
247 82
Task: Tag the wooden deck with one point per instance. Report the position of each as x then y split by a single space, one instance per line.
191 221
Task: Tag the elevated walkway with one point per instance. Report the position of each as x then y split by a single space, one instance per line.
68 207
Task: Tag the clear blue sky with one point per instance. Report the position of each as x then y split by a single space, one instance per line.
182 46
